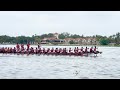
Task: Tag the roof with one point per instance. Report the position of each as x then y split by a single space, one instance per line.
85 38
51 38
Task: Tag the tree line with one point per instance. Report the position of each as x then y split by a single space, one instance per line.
103 40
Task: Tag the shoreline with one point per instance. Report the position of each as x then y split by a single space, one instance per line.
69 45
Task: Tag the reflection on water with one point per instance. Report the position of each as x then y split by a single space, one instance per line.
105 65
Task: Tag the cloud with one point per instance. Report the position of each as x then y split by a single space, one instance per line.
38 22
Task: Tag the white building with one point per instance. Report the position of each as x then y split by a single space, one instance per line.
56 35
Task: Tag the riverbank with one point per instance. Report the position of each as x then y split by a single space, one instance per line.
70 45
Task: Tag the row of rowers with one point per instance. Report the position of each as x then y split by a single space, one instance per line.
48 50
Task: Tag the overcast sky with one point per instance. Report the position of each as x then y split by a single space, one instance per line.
28 23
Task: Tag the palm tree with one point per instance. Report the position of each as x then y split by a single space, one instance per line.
117 38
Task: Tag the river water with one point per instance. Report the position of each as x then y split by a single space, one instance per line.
104 66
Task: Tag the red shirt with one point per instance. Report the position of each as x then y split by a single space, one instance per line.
17 46
94 49
91 50
22 46
28 45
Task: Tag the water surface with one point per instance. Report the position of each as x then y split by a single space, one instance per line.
104 66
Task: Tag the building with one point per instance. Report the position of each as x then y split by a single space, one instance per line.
56 35
112 44
82 41
53 40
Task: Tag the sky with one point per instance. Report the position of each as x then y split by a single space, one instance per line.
88 23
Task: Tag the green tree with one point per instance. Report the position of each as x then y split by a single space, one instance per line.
104 41
43 36
64 35
50 35
72 42
37 39
117 38
75 36
61 36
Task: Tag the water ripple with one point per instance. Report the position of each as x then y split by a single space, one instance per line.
103 66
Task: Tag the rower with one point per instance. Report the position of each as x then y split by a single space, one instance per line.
10 50
52 50
56 50
91 50
14 50
95 49
32 50
60 50
81 49
86 50
22 47
36 51
39 51
75 50
80 53
65 51
48 50
70 50
43 50
28 46
18 47
3 50
0 50
38 45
